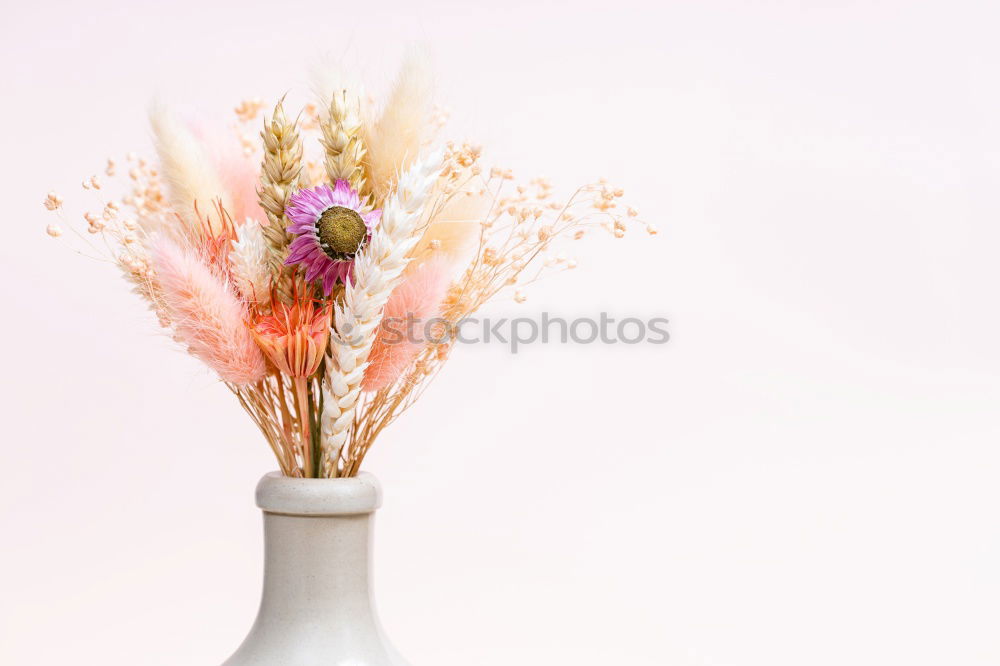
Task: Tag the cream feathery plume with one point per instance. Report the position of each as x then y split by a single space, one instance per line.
249 260
453 230
330 75
193 184
377 271
342 140
207 316
393 141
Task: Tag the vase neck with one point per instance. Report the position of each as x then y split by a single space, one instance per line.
317 547
317 564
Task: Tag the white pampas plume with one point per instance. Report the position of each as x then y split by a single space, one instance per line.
188 169
249 260
393 140
329 76
377 271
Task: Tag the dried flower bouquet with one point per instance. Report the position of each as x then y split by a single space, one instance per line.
290 281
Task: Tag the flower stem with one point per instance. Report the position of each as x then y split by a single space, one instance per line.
305 432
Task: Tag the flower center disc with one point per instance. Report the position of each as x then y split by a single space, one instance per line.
341 231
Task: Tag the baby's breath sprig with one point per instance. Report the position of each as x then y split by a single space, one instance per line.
518 232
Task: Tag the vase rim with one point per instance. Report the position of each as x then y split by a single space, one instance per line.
295 496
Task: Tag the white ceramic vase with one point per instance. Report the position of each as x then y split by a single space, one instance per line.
317 606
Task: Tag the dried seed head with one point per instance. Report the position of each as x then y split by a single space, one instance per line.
341 231
248 109
53 201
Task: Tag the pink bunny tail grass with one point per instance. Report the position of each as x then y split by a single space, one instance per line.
207 316
236 172
239 177
416 299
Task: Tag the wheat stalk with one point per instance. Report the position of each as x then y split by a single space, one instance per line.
377 270
279 177
342 141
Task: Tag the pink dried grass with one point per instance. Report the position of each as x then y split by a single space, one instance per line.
239 177
418 299
206 314
237 173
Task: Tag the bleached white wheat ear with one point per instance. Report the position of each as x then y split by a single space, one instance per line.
377 270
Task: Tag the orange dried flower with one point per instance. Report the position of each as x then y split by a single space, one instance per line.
294 336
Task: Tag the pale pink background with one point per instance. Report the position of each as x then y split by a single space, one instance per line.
806 474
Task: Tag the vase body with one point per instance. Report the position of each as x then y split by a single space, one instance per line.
317 606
